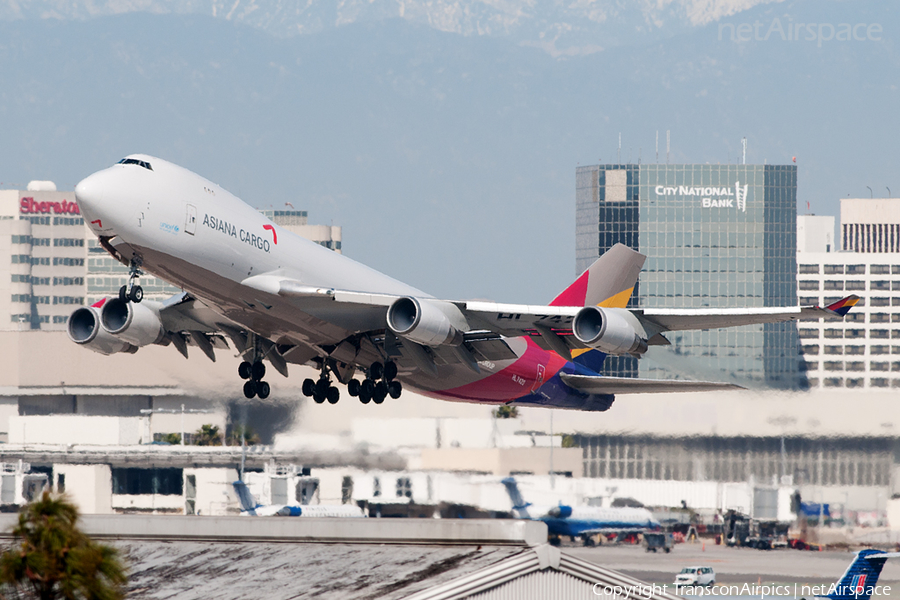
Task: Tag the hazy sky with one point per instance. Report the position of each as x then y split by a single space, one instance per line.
444 136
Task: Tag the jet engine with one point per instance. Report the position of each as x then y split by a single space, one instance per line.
137 324
426 322
84 328
610 330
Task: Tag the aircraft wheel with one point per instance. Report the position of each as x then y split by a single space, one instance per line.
319 398
390 370
258 371
123 293
394 389
380 392
309 386
244 370
262 390
137 294
333 395
249 389
353 387
376 371
367 386
364 397
322 386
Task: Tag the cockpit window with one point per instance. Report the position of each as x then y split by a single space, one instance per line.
134 161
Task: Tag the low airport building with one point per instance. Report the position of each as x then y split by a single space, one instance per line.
414 559
658 449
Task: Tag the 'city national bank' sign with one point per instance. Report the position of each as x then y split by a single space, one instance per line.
710 197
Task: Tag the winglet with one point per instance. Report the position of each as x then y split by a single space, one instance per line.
843 306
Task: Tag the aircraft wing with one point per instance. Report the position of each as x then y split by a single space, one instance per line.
704 318
521 319
626 385
553 323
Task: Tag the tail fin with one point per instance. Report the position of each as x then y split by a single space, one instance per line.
520 507
861 577
248 502
842 306
608 282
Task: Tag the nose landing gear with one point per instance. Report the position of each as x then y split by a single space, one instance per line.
378 385
131 291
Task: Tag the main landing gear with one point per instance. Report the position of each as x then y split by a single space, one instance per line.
378 385
131 291
321 390
375 388
253 373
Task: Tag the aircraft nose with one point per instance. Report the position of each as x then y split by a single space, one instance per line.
89 192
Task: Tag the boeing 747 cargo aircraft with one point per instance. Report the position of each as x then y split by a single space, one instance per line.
284 300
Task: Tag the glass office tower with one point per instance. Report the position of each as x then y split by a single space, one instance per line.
715 236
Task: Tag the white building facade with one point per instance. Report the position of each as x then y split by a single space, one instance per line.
861 350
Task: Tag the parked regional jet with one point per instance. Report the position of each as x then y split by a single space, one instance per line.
284 299
580 521
252 508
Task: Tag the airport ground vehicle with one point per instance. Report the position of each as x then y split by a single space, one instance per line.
659 541
696 576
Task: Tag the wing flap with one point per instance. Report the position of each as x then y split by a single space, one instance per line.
598 384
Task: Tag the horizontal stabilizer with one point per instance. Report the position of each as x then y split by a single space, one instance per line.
598 384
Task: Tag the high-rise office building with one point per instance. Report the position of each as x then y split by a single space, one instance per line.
715 236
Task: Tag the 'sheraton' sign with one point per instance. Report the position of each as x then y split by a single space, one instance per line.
28 206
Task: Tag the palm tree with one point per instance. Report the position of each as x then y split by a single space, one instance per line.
171 438
505 411
208 435
238 431
55 560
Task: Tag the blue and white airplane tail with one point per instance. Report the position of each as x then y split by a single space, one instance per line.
861 577
248 500
520 507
